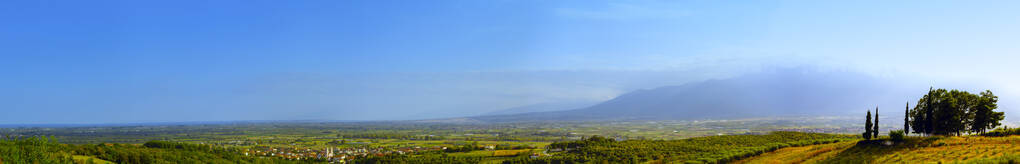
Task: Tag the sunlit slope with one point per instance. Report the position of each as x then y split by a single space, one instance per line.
914 150
710 149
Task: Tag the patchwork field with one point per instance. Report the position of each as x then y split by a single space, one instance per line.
913 150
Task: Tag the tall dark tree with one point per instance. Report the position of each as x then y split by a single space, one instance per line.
874 133
922 116
867 127
929 116
906 119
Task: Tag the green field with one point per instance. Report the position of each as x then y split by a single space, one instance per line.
46 150
702 141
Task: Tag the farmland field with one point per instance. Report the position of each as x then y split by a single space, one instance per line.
408 142
705 141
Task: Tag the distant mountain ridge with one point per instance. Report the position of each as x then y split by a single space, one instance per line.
782 92
543 107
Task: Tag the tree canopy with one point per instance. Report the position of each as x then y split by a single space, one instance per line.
952 112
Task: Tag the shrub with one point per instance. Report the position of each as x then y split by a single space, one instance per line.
896 135
1000 132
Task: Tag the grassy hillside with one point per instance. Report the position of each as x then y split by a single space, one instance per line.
971 149
712 149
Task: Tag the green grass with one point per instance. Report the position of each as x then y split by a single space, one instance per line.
85 159
492 153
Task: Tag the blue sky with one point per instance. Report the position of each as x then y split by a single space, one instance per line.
144 61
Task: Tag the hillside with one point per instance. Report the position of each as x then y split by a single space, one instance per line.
542 107
711 149
914 150
777 93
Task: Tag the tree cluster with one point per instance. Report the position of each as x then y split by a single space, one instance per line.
953 112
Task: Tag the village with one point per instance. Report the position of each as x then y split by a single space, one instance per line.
339 155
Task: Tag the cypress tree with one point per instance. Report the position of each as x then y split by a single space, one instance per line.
906 119
874 133
867 126
929 125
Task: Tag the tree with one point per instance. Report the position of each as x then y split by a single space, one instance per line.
896 135
929 108
984 115
867 127
874 133
958 114
906 119
953 112
932 113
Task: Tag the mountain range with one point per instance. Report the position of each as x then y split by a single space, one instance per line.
771 93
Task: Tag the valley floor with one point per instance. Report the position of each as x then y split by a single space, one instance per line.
970 149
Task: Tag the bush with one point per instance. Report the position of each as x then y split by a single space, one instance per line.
896 135
1001 132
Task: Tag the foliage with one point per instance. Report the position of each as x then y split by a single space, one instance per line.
1003 131
867 127
422 159
874 128
984 115
896 135
712 149
952 112
33 150
906 119
465 148
42 150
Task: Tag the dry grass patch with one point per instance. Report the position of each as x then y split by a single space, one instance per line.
914 150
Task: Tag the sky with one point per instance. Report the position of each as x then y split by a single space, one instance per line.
180 61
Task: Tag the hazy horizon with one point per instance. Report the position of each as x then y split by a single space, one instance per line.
101 62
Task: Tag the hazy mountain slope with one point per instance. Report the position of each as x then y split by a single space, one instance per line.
543 107
784 92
